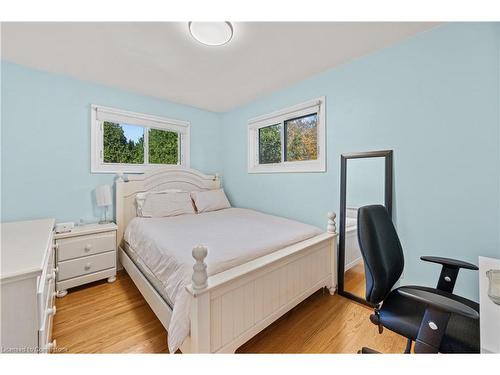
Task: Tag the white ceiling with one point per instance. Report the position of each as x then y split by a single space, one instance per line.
163 60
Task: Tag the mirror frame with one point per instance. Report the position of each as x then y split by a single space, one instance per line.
388 155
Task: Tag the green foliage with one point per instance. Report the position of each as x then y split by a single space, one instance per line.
163 146
117 149
302 138
269 144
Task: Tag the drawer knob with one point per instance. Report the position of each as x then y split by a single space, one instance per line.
87 266
51 345
87 247
52 310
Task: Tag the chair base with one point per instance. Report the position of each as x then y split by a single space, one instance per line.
365 350
408 347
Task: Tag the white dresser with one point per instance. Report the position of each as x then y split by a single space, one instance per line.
489 311
27 279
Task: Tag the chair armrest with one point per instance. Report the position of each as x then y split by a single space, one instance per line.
448 262
439 302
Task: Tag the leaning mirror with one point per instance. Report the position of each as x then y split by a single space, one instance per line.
366 178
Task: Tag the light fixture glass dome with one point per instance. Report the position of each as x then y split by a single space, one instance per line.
211 33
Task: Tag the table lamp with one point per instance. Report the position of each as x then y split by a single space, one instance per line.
494 287
103 199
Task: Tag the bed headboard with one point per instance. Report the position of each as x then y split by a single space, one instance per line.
155 180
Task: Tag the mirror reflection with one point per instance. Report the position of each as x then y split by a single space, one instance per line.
365 185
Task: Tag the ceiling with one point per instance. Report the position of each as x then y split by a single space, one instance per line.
163 60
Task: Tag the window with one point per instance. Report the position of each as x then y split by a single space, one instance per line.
270 144
127 142
290 140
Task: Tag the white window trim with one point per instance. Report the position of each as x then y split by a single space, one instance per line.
141 119
278 117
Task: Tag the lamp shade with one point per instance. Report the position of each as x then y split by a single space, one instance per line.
494 287
103 195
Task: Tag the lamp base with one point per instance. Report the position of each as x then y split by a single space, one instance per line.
105 220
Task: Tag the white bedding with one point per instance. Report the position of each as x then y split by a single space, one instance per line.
233 236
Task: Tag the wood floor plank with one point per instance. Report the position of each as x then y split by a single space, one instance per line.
115 318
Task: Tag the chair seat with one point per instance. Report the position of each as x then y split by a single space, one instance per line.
403 316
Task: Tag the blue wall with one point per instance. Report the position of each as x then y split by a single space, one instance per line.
434 100
46 141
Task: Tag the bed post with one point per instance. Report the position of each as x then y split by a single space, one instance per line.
200 303
200 275
218 180
119 208
332 228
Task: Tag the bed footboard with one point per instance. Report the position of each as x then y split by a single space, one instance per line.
231 307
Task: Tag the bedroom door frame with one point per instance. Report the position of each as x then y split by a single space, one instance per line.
388 156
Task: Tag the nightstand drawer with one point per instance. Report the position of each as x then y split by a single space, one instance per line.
83 266
76 247
76 281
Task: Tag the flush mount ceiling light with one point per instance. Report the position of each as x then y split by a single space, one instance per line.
211 33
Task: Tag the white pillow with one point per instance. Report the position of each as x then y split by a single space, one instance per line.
167 204
210 200
140 198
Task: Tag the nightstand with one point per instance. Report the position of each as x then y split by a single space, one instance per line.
84 255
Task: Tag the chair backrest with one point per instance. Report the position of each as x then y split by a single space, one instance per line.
381 250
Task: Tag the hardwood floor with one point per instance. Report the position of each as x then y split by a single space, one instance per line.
354 280
114 318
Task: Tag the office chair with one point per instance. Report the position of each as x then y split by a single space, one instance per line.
434 318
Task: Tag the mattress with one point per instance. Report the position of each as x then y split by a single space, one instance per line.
161 247
150 276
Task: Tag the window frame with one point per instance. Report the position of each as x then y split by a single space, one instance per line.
278 118
98 117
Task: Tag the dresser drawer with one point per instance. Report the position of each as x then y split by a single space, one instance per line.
46 284
45 332
76 247
47 300
83 266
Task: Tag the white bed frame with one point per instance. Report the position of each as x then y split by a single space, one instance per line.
229 308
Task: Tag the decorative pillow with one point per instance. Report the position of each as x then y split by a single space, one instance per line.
164 203
210 200
167 204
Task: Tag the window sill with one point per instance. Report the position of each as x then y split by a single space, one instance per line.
138 169
303 167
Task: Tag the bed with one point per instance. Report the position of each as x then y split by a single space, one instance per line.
217 279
